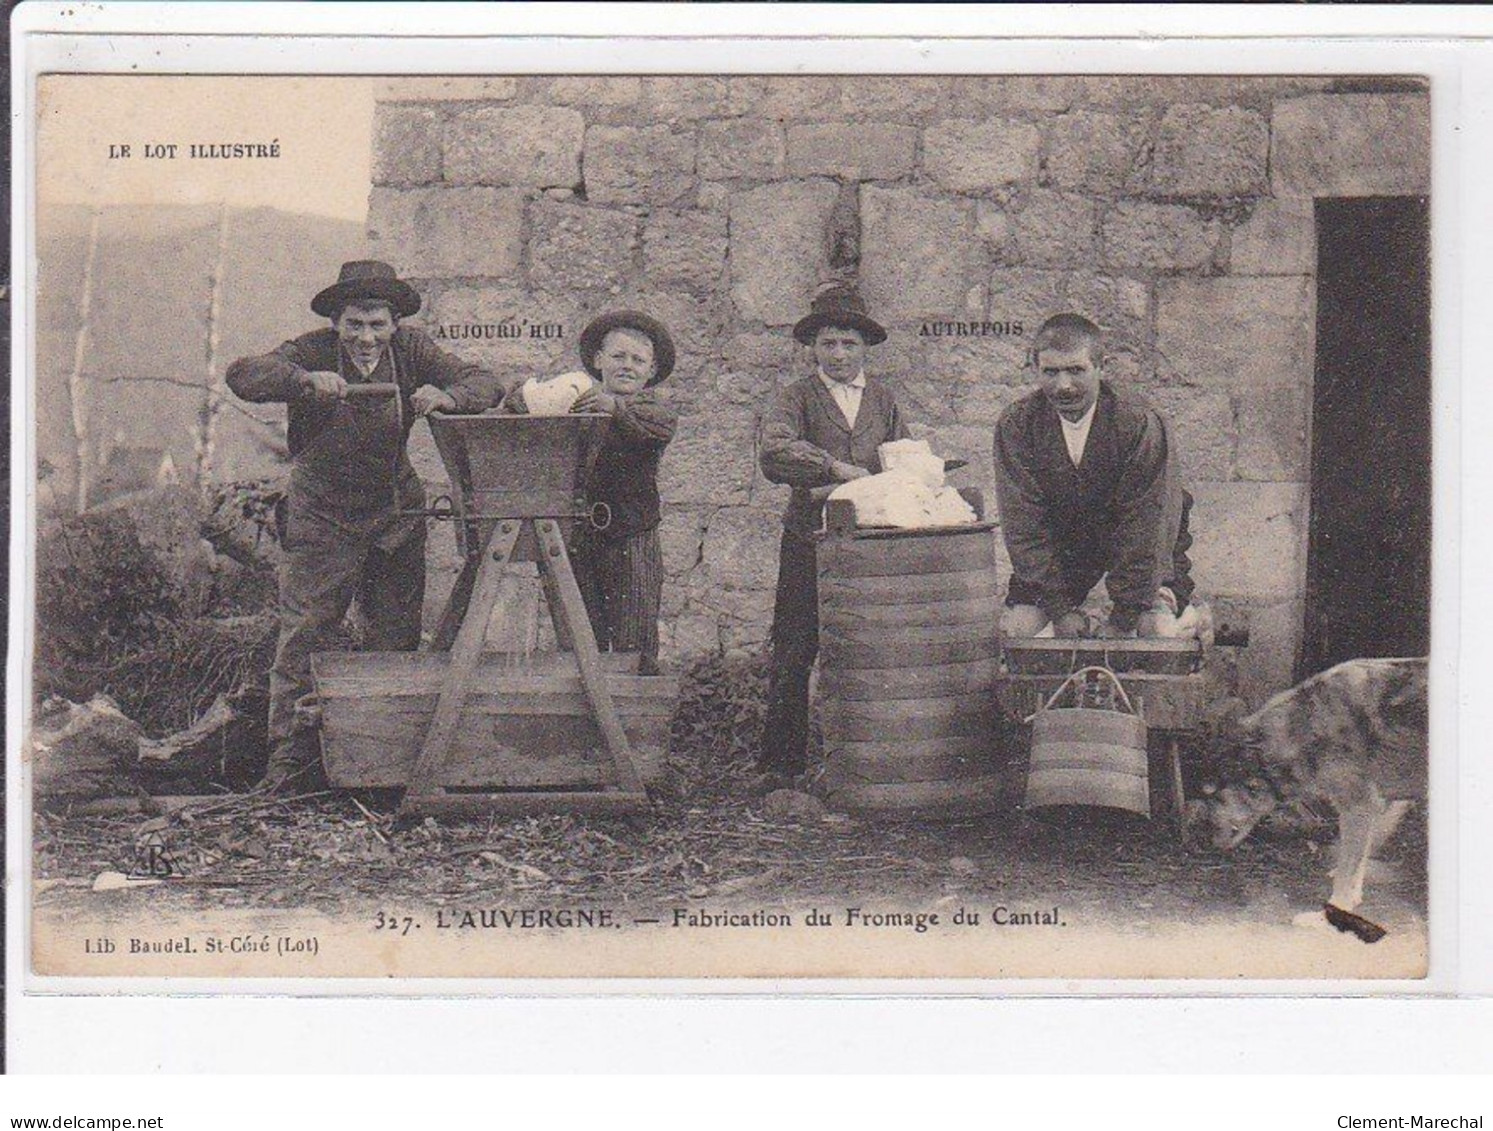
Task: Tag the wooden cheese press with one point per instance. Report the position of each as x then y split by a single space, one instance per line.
464 734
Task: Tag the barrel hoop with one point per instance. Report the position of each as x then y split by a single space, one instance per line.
879 683
853 615
856 655
895 590
911 558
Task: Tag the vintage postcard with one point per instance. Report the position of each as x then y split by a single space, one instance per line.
948 527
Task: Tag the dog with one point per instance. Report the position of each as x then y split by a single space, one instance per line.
1353 736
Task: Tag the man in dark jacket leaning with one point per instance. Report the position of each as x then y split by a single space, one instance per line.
343 535
1087 485
823 430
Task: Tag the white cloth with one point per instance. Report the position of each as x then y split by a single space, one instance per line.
847 394
1076 433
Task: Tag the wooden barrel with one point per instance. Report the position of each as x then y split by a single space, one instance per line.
1082 756
907 671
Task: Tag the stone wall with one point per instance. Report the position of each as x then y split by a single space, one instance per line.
1176 211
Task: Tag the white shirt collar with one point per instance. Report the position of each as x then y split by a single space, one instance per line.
856 382
1076 433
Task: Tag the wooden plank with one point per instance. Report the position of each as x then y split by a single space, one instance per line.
968 796
1060 657
866 655
570 614
981 612
897 590
465 653
378 751
913 683
377 675
872 720
914 555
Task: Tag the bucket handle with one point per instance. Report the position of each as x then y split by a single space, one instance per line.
1094 669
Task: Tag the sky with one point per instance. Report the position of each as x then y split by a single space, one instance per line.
323 126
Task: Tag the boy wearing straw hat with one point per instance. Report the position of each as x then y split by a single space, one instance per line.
342 533
823 430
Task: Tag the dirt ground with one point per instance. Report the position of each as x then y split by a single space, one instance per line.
342 856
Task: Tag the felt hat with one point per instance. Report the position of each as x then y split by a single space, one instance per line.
367 279
838 304
655 331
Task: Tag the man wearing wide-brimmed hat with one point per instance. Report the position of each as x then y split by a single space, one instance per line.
822 431
618 561
342 533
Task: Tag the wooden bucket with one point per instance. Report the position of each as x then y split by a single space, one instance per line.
1089 755
908 661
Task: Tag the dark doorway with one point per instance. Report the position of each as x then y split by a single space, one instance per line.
1368 589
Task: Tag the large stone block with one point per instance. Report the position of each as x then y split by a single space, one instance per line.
1171 90
777 353
595 90
1202 430
979 96
1201 151
918 255
857 151
462 319
685 249
446 89
1054 229
537 146
741 549
1268 666
979 404
1120 305
712 459
447 232
691 634
972 360
785 97
406 144
1249 539
1158 237
1273 433
745 148
681 536
1236 334
752 389
1279 238
668 97
575 247
1351 145
967 156
779 248
639 165
1091 150
891 98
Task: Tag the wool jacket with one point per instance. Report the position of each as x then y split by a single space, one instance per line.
1117 513
806 432
625 475
349 455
